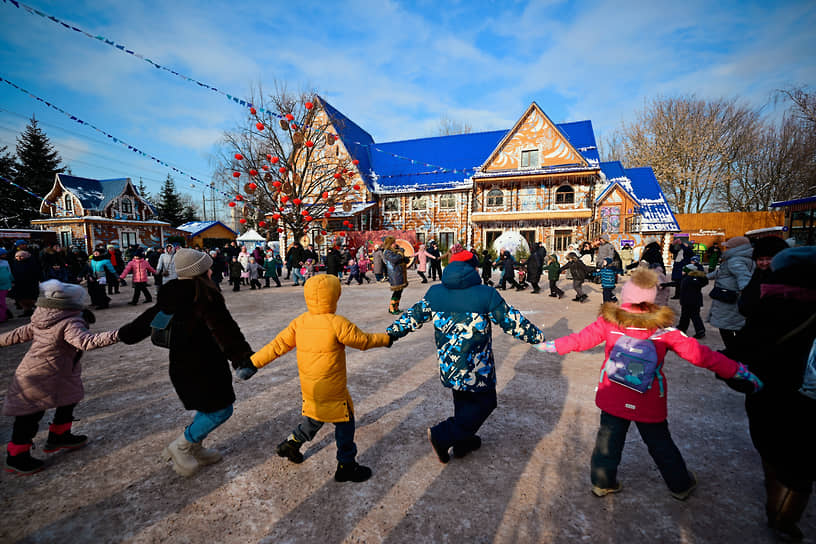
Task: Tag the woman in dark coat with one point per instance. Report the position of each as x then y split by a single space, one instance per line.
26 273
535 264
395 263
775 343
652 254
333 265
764 251
203 338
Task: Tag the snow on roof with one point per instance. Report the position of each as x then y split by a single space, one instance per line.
96 194
251 235
197 227
641 185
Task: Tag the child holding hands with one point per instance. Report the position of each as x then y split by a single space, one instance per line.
638 333
321 337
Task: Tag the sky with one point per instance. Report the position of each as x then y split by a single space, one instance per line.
394 68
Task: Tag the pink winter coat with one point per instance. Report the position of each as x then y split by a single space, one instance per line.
50 372
140 268
613 398
422 258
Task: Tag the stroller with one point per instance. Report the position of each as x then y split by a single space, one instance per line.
522 277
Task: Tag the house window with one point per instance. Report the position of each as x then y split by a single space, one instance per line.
392 204
69 204
529 159
127 206
610 220
128 239
445 241
495 198
65 238
447 202
420 237
565 195
419 202
561 241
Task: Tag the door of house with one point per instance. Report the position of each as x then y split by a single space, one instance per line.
529 235
65 238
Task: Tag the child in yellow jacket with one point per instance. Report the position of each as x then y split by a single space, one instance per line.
321 337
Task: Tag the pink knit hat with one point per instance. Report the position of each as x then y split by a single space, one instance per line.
641 288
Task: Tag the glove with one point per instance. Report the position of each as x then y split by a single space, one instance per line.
546 347
744 381
246 372
391 339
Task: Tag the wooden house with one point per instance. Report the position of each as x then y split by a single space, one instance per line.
207 234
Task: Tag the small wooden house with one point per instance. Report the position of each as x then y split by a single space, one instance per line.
207 234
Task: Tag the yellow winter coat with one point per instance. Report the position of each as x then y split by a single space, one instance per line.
321 338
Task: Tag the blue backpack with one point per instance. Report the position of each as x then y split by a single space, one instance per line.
634 363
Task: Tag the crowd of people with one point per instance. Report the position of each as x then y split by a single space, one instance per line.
763 300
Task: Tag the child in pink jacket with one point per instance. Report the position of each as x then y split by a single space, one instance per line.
631 331
140 267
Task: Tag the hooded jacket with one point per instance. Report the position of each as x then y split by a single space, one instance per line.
462 311
321 337
614 321
50 372
733 274
140 268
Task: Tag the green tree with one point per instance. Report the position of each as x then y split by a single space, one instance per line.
169 206
143 190
37 164
9 194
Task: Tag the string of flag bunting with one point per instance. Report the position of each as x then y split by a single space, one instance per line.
30 192
235 99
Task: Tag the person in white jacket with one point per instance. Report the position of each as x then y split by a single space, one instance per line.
166 269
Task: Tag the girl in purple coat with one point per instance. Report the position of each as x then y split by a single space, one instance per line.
49 375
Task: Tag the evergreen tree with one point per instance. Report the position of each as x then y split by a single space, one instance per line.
143 190
189 213
37 164
9 214
170 207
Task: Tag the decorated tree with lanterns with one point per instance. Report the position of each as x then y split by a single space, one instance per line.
285 167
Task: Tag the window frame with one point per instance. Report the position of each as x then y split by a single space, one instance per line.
68 203
389 199
126 206
528 153
562 239
416 199
490 201
124 238
443 199
562 193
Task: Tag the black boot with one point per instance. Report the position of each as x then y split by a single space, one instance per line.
442 454
64 441
291 450
23 463
351 472
785 508
463 447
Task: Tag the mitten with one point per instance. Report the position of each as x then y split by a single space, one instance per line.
246 372
744 380
391 339
546 347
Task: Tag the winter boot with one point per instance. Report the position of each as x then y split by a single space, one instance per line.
785 508
351 472
290 448
179 451
393 307
463 447
203 455
19 460
60 438
604 491
442 454
683 495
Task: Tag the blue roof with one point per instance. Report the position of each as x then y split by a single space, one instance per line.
356 140
582 138
642 186
785 203
197 227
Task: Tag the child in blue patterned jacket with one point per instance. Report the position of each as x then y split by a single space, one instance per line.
462 310
609 277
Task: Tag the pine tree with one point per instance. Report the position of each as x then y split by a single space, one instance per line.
37 164
169 206
143 190
8 193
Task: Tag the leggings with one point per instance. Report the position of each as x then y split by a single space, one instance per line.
396 295
205 422
25 427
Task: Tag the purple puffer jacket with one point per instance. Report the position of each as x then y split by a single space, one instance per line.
50 373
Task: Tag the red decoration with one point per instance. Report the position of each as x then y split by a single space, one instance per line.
253 111
324 194
294 126
331 209
290 117
259 126
253 186
338 189
231 204
236 174
239 198
355 162
273 160
284 198
296 201
282 169
265 167
323 232
277 184
242 221
309 143
304 212
356 187
238 157
253 172
308 106
336 137
276 216
280 229
261 223
327 214
342 233
338 175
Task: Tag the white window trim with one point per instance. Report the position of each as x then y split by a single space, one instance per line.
453 207
521 153
129 231
487 197
423 198
389 198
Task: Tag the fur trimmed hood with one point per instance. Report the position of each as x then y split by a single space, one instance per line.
654 316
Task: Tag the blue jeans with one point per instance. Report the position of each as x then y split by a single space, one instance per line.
470 410
343 436
608 294
204 423
297 276
609 448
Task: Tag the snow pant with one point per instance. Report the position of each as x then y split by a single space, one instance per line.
113 283
729 338
554 289
470 410
577 285
436 269
205 422
4 313
236 283
343 436
507 278
141 287
267 277
608 294
25 427
97 294
609 448
691 313
254 283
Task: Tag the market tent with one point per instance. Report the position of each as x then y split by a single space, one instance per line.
251 239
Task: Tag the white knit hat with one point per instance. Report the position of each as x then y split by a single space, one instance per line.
191 263
65 296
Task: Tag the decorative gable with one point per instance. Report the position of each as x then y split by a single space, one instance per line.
534 142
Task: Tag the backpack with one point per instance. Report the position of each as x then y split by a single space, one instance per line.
634 363
161 329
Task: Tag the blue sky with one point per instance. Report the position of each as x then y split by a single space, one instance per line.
395 68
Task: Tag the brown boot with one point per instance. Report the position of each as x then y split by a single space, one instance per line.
785 508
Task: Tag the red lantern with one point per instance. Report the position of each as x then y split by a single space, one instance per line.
238 157
342 233
331 209
304 213
338 175
239 198
273 160
277 184
276 216
327 214
323 232
309 143
355 162
282 169
296 201
308 218
242 221
336 137
236 174
265 167
259 126
253 111
253 186
338 189
280 229
284 198
261 223
308 105
294 126
231 204
290 117
253 172
356 187
324 194
269 156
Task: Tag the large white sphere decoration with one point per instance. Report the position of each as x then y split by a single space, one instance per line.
511 241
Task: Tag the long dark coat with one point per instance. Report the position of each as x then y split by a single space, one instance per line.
204 338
